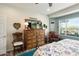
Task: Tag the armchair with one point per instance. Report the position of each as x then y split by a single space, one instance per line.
53 36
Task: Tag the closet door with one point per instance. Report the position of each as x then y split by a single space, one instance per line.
2 35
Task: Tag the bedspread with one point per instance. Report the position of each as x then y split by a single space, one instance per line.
66 47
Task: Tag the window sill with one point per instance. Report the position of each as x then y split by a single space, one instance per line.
72 37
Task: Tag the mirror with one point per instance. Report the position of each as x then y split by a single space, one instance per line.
34 23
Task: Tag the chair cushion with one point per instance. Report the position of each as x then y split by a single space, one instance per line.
18 43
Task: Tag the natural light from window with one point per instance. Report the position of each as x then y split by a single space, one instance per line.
69 27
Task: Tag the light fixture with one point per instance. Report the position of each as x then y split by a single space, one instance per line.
49 4
48 9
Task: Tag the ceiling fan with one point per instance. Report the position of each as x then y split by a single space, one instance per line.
50 4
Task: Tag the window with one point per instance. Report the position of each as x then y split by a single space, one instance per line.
69 27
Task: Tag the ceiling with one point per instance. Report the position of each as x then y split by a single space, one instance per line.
41 7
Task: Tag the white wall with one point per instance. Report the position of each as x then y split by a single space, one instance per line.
15 14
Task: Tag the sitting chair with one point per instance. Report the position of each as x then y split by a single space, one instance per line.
53 36
18 43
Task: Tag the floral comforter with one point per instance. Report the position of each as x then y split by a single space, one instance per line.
66 47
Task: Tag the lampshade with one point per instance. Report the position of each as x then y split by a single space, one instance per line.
26 24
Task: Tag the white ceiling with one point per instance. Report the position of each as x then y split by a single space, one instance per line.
41 7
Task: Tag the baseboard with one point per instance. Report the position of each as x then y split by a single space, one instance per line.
9 50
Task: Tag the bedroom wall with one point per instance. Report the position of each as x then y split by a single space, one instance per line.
15 14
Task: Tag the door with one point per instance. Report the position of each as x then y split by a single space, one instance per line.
2 35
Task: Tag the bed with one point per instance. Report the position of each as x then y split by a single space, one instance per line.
66 47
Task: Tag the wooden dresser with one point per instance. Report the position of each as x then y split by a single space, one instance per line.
34 38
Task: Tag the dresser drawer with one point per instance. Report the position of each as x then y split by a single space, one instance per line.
29 46
34 45
41 43
41 39
42 36
29 41
34 40
33 37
